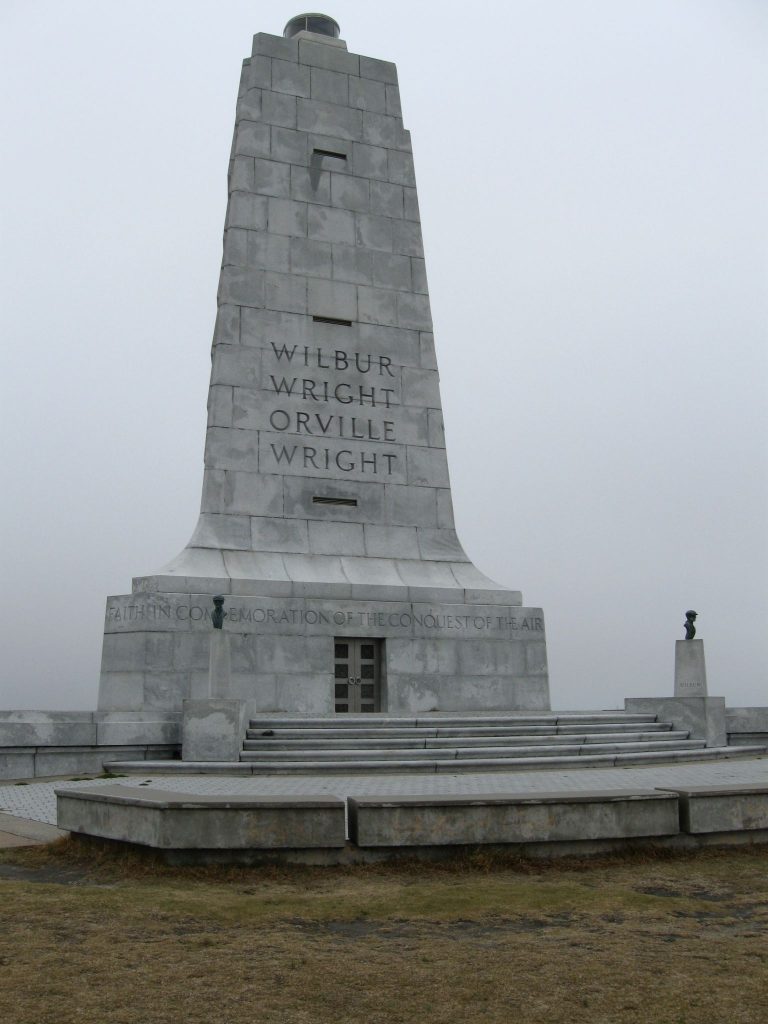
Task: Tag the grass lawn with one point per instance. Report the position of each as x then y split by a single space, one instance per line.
86 936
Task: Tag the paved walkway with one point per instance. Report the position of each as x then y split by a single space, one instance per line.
36 801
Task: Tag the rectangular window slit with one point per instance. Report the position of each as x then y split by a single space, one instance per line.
321 499
330 152
332 320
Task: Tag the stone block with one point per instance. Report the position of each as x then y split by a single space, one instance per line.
232 492
350 193
374 232
249 105
377 306
419 276
394 107
702 717
411 205
386 199
690 670
366 94
285 292
288 145
310 257
241 287
391 541
241 174
166 820
279 109
401 168
236 365
329 119
332 58
331 225
213 729
332 298
392 271
336 538
17 764
440 545
329 86
221 532
271 178
126 728
290 77
436 428
252 139
231 449
406 239
421 387
370 161
258 72
311 185
410 506
46 728
427 467
247 211
227 329
279 534
286 217
381 130
267 45
298 495
514 818
413 312
735 807
352 264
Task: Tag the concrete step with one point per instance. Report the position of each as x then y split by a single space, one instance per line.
387 742
147 769
436 753
500 764
424 733
443 721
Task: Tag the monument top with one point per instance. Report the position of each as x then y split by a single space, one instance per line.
321 24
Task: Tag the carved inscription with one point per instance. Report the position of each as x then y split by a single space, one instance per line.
139 612
332 395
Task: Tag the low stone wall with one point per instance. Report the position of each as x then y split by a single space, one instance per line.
723 809
746 726
35 744
384 821
181 821
192 828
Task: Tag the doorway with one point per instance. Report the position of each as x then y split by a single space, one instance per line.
356 675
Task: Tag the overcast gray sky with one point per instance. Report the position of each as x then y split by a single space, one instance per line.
592 183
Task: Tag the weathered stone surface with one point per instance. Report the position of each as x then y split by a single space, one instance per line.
167 820
213 729
690 670
732 808
702 717
515 818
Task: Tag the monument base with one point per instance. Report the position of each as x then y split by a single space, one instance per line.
702 717
400 651
690 670
213 729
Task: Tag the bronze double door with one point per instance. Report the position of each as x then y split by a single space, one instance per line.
356 675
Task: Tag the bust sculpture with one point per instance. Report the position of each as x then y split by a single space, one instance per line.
217 618
690 629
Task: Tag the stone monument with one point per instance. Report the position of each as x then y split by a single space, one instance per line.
326 518
690 669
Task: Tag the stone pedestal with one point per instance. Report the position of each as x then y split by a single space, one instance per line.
703 717
219 665
213 730
690 670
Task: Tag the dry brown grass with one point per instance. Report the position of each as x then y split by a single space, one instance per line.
665 939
